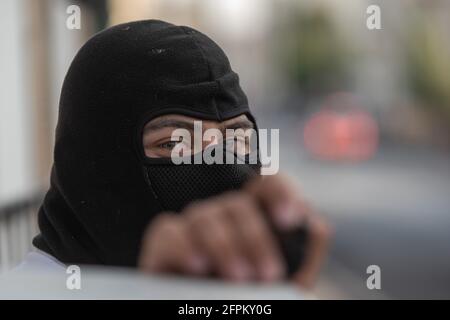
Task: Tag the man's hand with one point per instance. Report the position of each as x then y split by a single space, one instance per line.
229 235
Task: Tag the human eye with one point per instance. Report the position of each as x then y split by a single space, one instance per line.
169 145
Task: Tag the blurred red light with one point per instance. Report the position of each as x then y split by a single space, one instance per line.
351 135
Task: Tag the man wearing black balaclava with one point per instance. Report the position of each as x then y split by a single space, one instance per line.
115 197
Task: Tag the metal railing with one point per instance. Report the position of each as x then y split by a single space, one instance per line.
18 226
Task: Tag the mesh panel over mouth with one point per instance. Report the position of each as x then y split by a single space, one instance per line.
178 185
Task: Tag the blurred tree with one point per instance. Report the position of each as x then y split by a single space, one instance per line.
100 13
428 64
312 55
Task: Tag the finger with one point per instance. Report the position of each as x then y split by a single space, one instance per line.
256 241
168 247
319 235
279 197
214 236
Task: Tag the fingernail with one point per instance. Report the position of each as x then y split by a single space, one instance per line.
240 270
284 216
271 271
198 264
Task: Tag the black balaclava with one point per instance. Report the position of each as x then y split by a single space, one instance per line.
104 191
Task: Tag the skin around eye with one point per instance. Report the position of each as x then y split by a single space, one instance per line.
240 143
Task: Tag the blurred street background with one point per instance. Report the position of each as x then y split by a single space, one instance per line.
364 119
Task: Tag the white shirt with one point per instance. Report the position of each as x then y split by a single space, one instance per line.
39 261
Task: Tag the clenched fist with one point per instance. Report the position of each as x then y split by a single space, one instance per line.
231 237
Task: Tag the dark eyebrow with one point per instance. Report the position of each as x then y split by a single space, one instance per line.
241 124
169 123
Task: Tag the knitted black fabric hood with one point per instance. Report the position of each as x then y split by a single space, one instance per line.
103 190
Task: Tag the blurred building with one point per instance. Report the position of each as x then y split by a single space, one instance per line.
293 57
